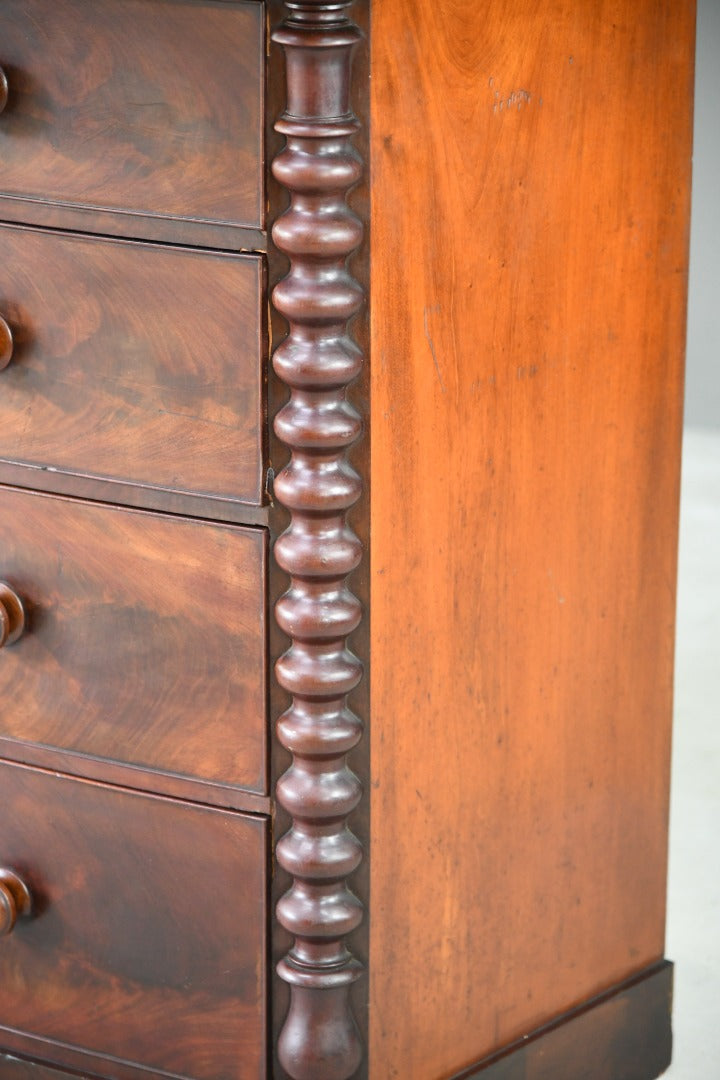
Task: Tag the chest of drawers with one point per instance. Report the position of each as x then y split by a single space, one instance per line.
340 410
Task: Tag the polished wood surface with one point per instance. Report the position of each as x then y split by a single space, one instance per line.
512 611
623 1035
142 778
530 179
141 496
133 362
204 234
146 943
15 900
12 615
317 361
145 641
7 344
146 106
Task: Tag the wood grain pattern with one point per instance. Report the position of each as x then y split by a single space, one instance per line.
135 105
141 496
318 360
133 362
147 942
226 796
530 179
625 1034
146 638
221 236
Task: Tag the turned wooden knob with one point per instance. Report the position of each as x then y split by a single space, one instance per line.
6 344
15 900
3 90
12 615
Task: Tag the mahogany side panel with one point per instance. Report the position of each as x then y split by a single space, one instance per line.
140 109
529 232
318 360
146 942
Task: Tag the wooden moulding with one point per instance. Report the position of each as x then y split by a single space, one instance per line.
14 1068
317 361
624 1034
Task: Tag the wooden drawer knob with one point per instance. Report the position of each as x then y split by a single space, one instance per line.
3 90
6 344
12 615
15 900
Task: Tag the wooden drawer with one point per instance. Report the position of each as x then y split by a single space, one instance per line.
147 940
133 362
148 107
145 642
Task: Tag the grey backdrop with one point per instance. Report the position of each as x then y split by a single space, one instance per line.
702 387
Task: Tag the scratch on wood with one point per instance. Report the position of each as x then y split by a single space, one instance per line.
432 350
517 98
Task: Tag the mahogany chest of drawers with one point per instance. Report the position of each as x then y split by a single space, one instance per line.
340 410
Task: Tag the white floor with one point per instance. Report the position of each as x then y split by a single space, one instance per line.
693 939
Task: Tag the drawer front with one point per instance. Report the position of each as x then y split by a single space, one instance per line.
143 106
133 362
145 638
147 939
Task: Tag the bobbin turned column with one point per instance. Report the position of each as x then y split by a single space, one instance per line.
317 361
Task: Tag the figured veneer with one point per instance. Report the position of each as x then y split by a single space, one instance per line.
134 106
502 557
146 942
145 642
133 362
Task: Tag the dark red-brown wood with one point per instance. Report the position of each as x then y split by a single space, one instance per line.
625 1034
318 360
15 900
238 238
144 778
12 615
14 474
7 344
139 106
147 940
145 641
133 362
